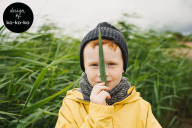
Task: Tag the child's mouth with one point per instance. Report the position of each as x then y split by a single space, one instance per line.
107 82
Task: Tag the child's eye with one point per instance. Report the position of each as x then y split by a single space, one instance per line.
111 64
94 65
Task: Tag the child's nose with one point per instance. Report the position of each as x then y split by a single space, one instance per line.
106 71
98 72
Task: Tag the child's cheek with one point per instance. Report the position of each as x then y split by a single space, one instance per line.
91 75
116 73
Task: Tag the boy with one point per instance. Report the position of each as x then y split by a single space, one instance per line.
119 106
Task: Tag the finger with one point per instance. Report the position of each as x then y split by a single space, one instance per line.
108 96
98 89
104 95
100 84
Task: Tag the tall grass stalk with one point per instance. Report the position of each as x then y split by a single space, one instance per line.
101 60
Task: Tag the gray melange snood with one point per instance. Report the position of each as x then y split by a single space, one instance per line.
117 94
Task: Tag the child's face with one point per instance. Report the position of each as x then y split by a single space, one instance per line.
113 65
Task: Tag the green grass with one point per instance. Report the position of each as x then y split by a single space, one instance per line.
37 69
101 60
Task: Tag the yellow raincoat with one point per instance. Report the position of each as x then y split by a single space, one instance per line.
132 112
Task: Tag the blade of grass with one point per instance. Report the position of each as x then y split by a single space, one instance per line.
101 60
16 52
20 87
25 60
33 37
21 78
168 108
7 113
1 118
172 121
38 56
31 118
2 29
4 84
44 101
6 107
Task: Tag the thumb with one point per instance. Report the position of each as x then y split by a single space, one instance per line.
108 97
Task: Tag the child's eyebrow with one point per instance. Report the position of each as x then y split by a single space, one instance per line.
112 61
93 62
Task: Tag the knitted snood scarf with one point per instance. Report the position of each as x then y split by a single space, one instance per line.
117 94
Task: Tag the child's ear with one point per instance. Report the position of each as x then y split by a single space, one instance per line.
123 71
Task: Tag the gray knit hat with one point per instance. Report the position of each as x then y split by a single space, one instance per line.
107 32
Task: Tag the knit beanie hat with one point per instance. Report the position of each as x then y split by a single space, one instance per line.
108 32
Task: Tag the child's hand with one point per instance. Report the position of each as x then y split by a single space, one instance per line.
98 95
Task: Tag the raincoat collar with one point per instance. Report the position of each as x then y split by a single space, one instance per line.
76 95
